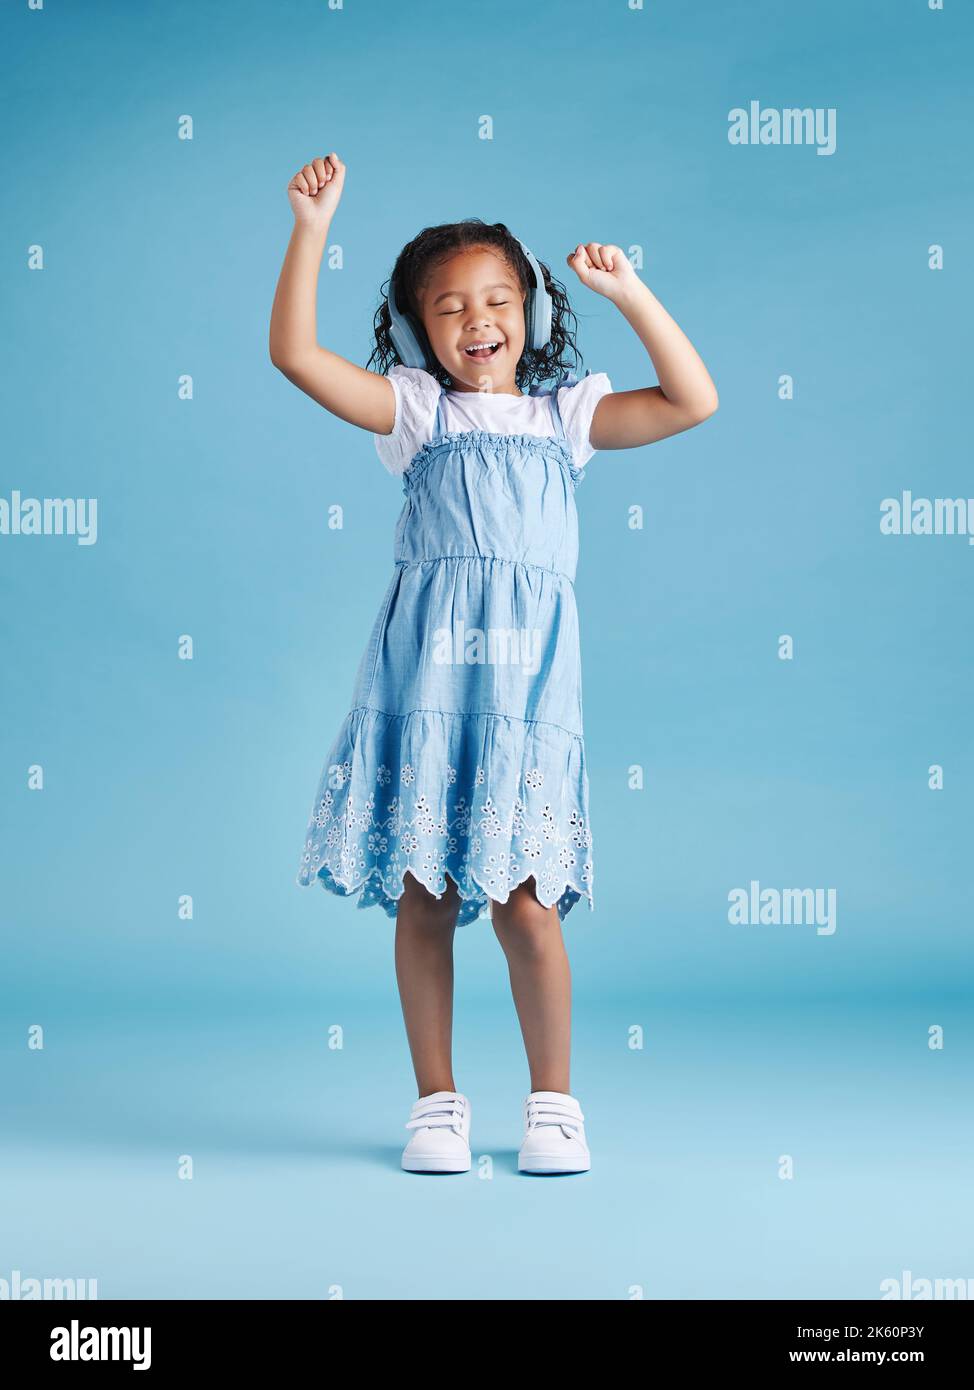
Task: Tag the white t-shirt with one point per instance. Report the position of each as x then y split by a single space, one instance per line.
417 392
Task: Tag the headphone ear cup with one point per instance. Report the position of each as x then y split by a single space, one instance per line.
543 314
406 345
408 336
537 315
530 320
410 346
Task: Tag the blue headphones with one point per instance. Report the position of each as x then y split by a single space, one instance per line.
412 345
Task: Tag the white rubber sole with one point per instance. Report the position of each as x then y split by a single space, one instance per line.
431 1164
554 1163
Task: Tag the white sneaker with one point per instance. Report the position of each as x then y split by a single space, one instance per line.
554 1135
441 1143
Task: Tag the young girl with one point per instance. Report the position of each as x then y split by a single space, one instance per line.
458 777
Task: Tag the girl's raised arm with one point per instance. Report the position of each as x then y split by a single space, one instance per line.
685 396
361 397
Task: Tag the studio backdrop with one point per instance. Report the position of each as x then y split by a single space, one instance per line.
775 612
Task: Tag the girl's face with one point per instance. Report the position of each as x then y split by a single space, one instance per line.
470 299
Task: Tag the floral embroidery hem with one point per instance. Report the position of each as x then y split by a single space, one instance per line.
489 800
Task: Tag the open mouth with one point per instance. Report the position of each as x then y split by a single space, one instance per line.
481 351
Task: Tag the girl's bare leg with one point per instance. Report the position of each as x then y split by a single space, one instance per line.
540 983
424 970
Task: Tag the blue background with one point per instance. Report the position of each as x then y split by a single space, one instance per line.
163 777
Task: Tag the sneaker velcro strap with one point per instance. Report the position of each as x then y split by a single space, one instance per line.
432 1113
554 1107
551 1108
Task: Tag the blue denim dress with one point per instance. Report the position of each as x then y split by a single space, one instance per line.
463 754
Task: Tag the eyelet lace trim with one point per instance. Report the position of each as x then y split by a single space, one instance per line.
487 850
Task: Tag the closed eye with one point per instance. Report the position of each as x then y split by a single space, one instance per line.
498 304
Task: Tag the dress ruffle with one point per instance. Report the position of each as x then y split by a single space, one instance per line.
489 800
495 444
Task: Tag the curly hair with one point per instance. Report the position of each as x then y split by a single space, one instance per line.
412 269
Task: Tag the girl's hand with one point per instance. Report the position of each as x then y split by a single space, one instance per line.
604 269
315 191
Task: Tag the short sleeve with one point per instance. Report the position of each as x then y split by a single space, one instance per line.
576 406
417 393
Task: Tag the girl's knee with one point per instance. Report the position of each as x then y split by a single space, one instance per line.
522 922
420 903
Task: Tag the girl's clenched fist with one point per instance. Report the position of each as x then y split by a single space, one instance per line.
603 268
315 191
